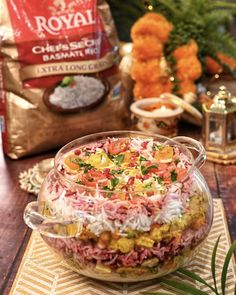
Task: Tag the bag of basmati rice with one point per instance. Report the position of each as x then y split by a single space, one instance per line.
59 74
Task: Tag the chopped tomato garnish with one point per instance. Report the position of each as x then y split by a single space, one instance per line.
92 177
144 144
117 146
131 181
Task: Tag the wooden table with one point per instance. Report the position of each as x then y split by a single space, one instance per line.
15 234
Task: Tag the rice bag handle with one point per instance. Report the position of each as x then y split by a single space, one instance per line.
50 227
194 146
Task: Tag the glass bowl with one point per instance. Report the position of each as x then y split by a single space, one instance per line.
149 221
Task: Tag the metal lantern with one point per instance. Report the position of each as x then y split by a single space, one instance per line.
219 129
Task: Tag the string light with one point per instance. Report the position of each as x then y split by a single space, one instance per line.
148 5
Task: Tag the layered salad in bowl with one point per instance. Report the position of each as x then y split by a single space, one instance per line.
124 206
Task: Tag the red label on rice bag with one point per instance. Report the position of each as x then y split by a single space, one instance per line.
58 32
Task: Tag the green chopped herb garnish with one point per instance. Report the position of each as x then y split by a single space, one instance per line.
158 179
173 175
111 157
141 158
116 159
113 171
79 161
106 188
114 182
119 159
145 170
66 81
83 164
87 168
79 182
157 147
148 185
176 161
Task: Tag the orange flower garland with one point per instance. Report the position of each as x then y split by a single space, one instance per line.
190 49
149 35
188 67
152 73
142 51
145 26
227 60
213 67
187 86
143 90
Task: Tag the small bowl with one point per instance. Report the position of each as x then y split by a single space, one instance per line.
156 115
59 109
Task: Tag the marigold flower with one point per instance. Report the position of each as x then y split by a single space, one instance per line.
145 90
150 27
189 68
212 67
187 86
230 61
147 47
189 49
146 71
